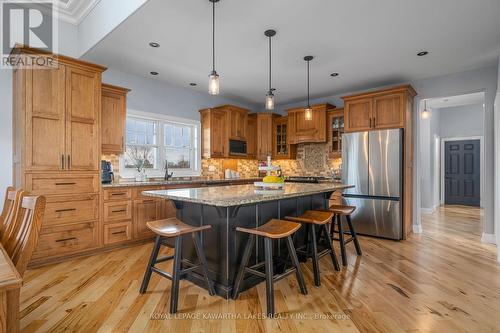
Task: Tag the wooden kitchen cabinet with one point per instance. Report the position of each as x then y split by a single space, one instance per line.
237 120
282 149
252 136
43 93
113 117
214 136
146 210
305 131
335 123
265 135
383 109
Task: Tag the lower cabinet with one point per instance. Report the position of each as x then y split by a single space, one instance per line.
117 232
146 210
67 239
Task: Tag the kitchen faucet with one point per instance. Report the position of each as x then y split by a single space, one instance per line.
167 175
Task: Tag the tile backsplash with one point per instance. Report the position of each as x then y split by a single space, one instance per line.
312 160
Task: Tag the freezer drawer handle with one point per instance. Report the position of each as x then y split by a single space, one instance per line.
118 211
65 210
69 183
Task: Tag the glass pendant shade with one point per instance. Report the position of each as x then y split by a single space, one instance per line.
213 83
426 114
270 101
308 114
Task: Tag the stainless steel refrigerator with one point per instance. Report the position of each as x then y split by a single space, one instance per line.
372 161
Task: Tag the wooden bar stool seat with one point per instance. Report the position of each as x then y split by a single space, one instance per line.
174 228
314 219
274 229
342 210
339 211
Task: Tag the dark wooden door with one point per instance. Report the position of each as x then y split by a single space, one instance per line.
462 172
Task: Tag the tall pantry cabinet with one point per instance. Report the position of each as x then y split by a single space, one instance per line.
56 113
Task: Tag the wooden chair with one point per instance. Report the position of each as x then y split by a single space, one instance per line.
19 245
8 208
174 228
25 230
316 219
274 229
339 211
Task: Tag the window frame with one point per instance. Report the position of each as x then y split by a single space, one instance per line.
160 121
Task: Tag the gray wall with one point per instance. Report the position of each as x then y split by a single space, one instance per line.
150 95
461 121
483 79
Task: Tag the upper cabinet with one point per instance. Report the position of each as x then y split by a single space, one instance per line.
113 116
237 120
265 135
220 125
302 130
252 136
281 140
381 109
335 123
56 116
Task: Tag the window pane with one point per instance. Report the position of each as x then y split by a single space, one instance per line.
178 158
186 137
169 133
178 137
141 156
141 131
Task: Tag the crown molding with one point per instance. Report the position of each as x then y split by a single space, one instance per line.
74 11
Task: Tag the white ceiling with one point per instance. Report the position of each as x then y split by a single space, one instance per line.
452 101
370 43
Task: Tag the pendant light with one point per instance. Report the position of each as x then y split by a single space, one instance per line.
270 96
213 78
426 113
309 111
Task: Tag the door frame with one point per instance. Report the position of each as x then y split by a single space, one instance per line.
481 167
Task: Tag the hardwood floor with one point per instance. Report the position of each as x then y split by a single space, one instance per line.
443 280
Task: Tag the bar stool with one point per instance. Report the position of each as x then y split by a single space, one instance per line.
318 218
274 229
339 211
170 228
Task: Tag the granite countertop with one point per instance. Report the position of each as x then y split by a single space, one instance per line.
177 181
235 195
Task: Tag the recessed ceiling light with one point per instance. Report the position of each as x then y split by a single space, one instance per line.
154 44
423 53
334 74
193 84
154 73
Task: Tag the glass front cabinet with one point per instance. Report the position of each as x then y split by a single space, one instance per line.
335 123
281 147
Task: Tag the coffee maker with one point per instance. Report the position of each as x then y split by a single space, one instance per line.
107 175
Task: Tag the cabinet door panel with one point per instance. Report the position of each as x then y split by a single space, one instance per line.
144 211
264 136
218 134
112 123
45 119
388 111
251 137
358 115
82 117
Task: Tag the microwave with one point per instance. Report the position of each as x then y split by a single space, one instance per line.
237 147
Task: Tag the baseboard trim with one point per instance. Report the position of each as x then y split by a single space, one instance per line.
427 210
417 229
488 238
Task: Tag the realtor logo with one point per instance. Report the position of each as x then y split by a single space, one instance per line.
29 23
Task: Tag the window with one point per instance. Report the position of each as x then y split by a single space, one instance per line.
152 141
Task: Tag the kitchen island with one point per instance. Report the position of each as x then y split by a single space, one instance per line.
228 207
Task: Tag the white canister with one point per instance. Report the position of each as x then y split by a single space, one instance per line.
227 173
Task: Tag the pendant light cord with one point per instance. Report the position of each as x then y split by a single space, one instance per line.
308 105
270 64
213 36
